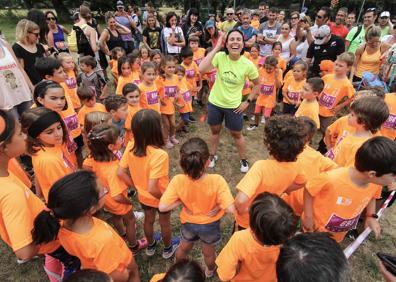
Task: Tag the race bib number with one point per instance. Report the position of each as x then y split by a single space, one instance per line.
71 83
339 224
390 122
266 89
198 61
327 101
170 91
187 96
71 122
294 96
152 97
190 73
330 154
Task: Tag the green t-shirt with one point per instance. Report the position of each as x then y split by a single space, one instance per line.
230 78
385 31
357 41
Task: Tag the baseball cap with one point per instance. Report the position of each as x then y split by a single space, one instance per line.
327 65
229 11
385 14
321 34
209 24
120 4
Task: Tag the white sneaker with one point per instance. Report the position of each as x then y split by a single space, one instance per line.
262 119
252 127
138 215
252 118
244 166
212 163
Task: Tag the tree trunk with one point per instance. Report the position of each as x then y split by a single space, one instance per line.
62 12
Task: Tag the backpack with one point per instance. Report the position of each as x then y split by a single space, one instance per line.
359 29
78 41
371 80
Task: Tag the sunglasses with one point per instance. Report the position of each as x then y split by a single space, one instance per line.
238 14
370 9
384 18
294 18
50 19
35 33
103 193
230 14
319 17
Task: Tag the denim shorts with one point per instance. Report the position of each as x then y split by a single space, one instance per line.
185 117
208 233
216 115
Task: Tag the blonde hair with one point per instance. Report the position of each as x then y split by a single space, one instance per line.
23 28
95 118
346 57
63 55
372 31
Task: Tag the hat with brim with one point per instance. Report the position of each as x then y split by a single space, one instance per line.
321 34
209 24
120 4
385 14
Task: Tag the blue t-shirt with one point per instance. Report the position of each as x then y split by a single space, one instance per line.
247 33
120 125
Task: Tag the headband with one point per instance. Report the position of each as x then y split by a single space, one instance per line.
7 123
42 123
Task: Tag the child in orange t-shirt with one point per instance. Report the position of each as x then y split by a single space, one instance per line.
117 106
366 116
149 92
270 81
74 200
388 128
276 52
145 166
284 137
103 141
326 67
47 135
251 254
88 99
124 73
116 53
333 201
293 87
204 198
144 54
184 102
70 84
168 92
309 107
132 93
198 53
193 77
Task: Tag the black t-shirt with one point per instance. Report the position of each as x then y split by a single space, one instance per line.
328 51
29 59
153 37
263 19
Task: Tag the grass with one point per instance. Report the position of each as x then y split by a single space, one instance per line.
364 263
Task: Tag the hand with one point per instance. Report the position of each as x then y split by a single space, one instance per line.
374 225
392 187
220 42
389 277
308 224
242 107
214 212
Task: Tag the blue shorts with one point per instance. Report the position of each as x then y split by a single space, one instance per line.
185 117
216 115
208 233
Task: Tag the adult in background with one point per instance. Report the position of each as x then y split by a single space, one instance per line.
326 46
124 19
301 38
385 24
281 17
350 20
27 49
212 34
338 28
37 16
111 35
238 16
173 35
137 32
226 95
152 33
288 42
56 33
294 20
90 33
148 7
356 35
391 38
321 18
229 23
192 26
15 85
249 33
268 33
263 8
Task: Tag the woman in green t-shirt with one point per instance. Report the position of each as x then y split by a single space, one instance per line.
225 99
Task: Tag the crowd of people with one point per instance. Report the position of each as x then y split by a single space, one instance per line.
88 115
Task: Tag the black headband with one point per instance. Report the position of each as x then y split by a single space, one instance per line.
42 123
9 126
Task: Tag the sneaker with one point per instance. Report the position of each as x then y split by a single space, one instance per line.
131 192
209 273
262 119
168 253
140 245
252 118
173 140
169 145
252 127
138 215
244 166
245 117
191 119
150 250
213 160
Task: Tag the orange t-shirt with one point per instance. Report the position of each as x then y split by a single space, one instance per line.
256 61
339 129
51 164
122 80
267 96
334 91
192 73
149 97
281 63
107 173
155 165
185 97
98 107
268 176
15 167
292 89
18 209
168 88
255 24
70 87
345 150
132 110
157 277
199 55
256 262
388 129
338 202
70 119
309 109
114 69
101 248
199 197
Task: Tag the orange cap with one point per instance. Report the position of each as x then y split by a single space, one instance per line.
327 65
2 125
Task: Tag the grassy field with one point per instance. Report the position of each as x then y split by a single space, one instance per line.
363 262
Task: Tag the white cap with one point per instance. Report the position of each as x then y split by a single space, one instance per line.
321 34
385 14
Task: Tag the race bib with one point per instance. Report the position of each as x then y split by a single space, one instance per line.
71 83
136 81
339 224
390 122
170 91
198 61
294 96
71 122
190 73
152 97
266 89
187 96
327 101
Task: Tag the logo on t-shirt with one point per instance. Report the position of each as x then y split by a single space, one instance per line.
190 73
229 77
71 83
186 96
390 122
170 91
294 96
266 89
152 97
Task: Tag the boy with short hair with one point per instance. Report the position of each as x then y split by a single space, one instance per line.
284 137
117 106
91 77
198 53
193 77
333 201
326 67
88 100
309 107
251 254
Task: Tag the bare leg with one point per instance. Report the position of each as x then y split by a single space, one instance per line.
149 218
183 249
214 138
118 224
240 143
209 253
130 221
166 231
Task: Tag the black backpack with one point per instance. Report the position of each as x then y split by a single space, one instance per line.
83 45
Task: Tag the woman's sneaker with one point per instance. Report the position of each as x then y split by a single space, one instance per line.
213 160
169 145
252 127
244 166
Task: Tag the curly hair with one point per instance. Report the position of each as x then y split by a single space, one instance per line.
284 137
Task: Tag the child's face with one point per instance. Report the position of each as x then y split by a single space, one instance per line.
180 75
17 146
133 97
352 119
149 75
136 65
276 51
169 68
91 102
121 113
188 60
58 75
307 92
256 17
340 68
157 59
298 72
194 46
85 68
269 68
383 180
144 53
126 69
254 52
52 135
68 63
54 99
119 54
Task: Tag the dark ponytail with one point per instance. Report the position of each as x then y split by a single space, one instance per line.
194 154
69 198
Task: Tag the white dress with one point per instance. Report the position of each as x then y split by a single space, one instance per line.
285 54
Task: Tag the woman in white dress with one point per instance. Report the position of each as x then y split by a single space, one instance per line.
288 42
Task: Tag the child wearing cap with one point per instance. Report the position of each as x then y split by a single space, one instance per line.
326 67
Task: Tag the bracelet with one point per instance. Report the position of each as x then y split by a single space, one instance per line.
373 215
